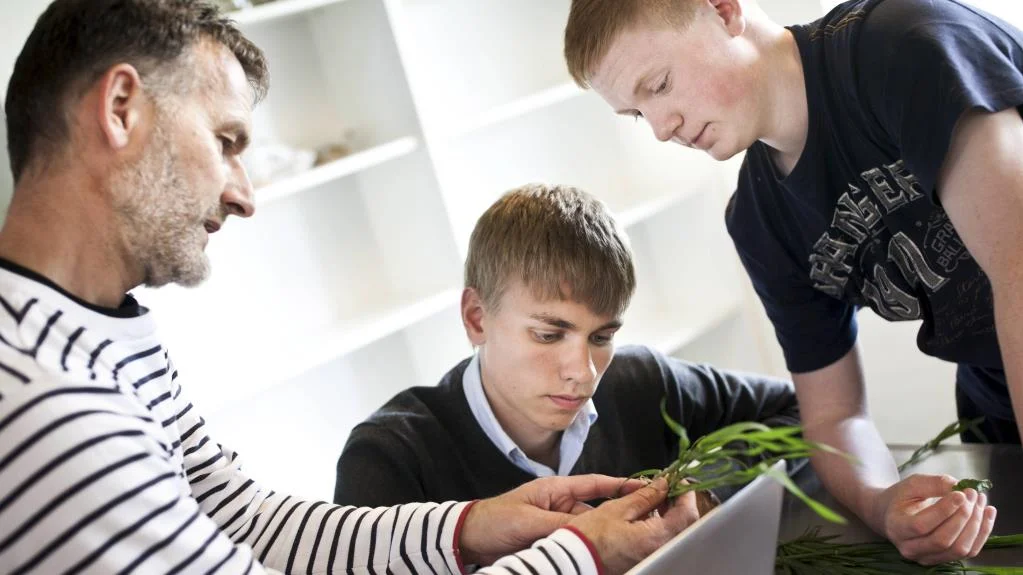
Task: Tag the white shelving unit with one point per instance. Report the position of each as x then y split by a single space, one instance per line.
344 289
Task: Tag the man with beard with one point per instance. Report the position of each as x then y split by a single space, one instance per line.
126 121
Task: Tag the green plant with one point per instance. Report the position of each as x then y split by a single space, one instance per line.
980 485
816 553
719 458
951 430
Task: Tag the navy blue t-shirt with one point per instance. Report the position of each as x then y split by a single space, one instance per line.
857 222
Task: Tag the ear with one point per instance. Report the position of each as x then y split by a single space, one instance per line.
122 104
472 316
730 13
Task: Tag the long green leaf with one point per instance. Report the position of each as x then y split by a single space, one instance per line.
950 430
823 510
683 437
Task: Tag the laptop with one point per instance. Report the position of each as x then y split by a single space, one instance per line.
738 537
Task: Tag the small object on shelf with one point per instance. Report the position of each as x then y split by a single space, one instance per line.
331 152
268 163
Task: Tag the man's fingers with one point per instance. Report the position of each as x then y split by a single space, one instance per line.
683 512
925 521
579 507
627 486
640 502
593 486
550 521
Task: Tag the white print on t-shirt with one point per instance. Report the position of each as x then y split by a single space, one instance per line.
860 217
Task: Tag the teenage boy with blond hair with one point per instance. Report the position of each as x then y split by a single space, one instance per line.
548 278
882 169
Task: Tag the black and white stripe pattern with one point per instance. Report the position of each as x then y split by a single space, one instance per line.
105 467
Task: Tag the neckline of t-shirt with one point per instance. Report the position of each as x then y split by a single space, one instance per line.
129 308
801 170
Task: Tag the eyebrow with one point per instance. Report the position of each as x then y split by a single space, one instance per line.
555 321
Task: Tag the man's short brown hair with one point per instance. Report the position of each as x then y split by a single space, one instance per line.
75 42
594 25
561 242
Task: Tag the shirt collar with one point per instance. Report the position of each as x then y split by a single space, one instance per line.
572 439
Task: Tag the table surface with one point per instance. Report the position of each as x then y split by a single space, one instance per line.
1002 464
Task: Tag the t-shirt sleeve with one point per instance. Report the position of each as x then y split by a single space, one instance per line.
813 329
922 64
709 398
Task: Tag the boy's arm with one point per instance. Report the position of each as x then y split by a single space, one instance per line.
377 468
710 399
834 411
981 188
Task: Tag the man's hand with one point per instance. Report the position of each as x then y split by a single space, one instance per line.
512 521
624 531
930 523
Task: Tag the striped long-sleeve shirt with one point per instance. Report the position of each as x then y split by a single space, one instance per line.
105 467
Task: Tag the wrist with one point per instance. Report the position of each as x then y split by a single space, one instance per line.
597 562
872 508
465 552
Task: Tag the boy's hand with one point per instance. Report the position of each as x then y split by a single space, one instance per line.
930 523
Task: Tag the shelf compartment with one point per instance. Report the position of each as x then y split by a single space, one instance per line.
514 109
232 371
337 169
329 71
516 52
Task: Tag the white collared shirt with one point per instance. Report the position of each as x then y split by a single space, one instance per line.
572 439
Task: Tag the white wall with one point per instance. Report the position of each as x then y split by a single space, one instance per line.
16 20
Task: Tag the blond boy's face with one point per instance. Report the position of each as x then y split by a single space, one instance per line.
695 87
542 360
